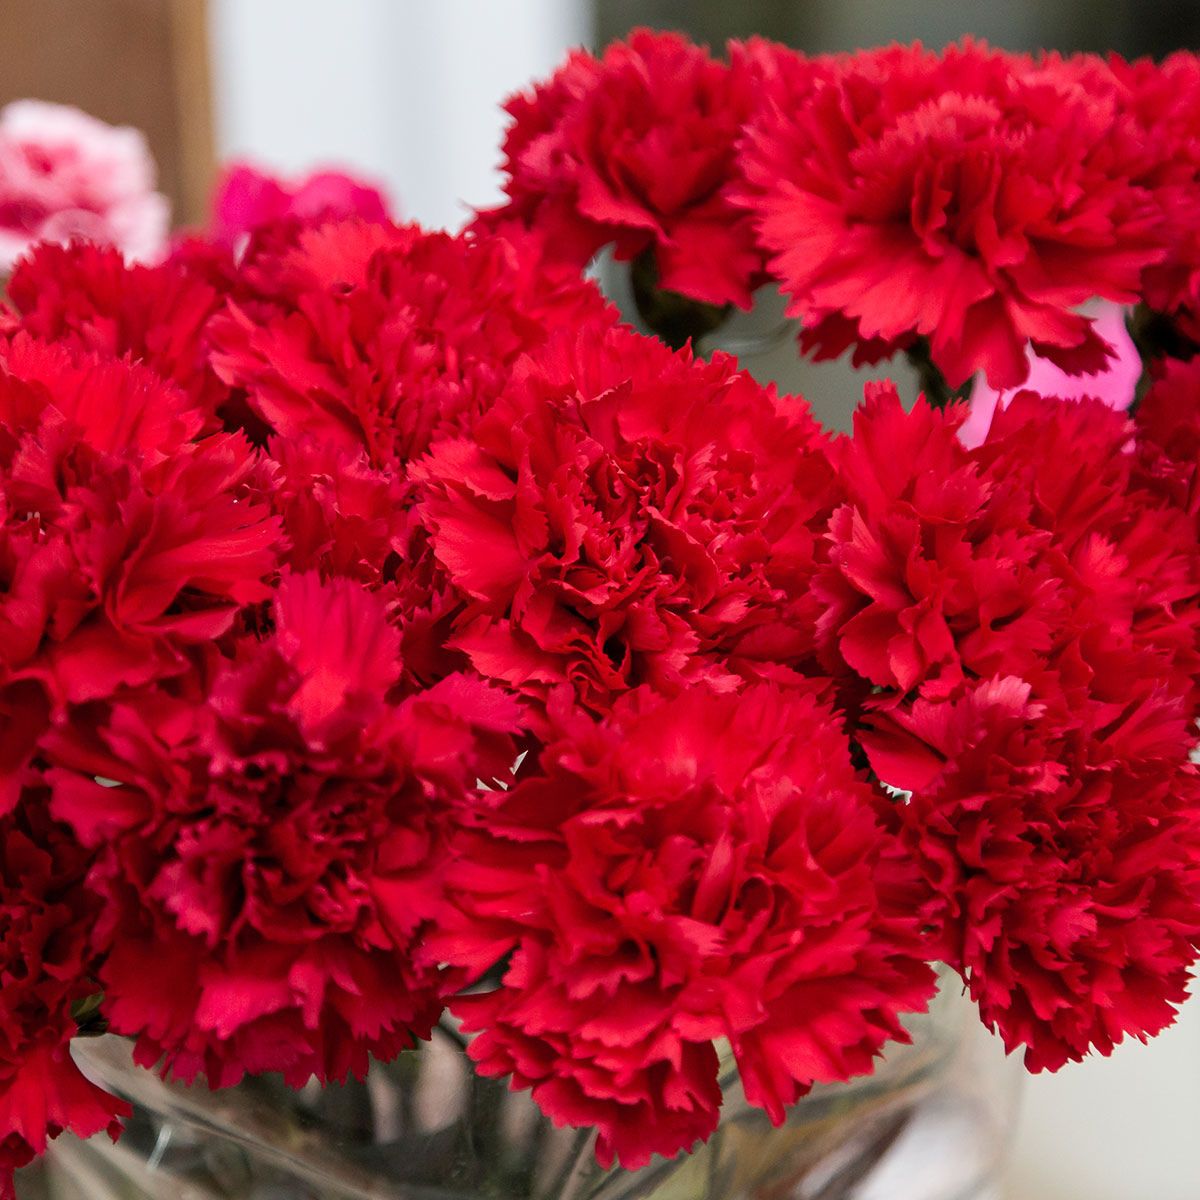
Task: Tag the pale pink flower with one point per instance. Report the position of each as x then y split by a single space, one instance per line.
64 174
1113 386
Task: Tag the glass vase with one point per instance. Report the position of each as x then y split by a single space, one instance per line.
931 1123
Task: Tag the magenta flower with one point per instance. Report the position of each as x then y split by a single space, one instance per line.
247 198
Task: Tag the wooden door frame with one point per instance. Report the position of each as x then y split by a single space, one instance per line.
191 51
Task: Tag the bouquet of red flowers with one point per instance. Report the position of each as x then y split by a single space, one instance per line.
387 631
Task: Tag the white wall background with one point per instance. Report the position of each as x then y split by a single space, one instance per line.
409 91
1121 1128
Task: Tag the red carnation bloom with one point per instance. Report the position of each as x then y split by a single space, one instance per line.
89 298
357 345
46 967
636 149
375 338
973 198
951 564
705 868
1063 852
629 515
904 608
1024 617
272 855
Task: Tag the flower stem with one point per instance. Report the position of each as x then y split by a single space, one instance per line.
937 392
1156 336
673 318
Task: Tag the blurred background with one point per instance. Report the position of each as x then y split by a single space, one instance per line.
408 92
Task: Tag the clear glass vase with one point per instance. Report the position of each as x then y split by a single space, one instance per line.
931 1123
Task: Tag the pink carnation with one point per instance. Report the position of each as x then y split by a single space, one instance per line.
64 174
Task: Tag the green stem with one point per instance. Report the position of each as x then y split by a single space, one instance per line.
937 392
673 318
1156 336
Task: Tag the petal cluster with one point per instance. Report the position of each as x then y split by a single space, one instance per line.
377 338
87 297
1168 425
128 543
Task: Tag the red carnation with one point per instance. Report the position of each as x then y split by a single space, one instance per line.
1133 573
636 149
1063 852
951 564
271 855
46 967
1022 619
905 608
629 515
973 198
155 562
705 868
357 344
